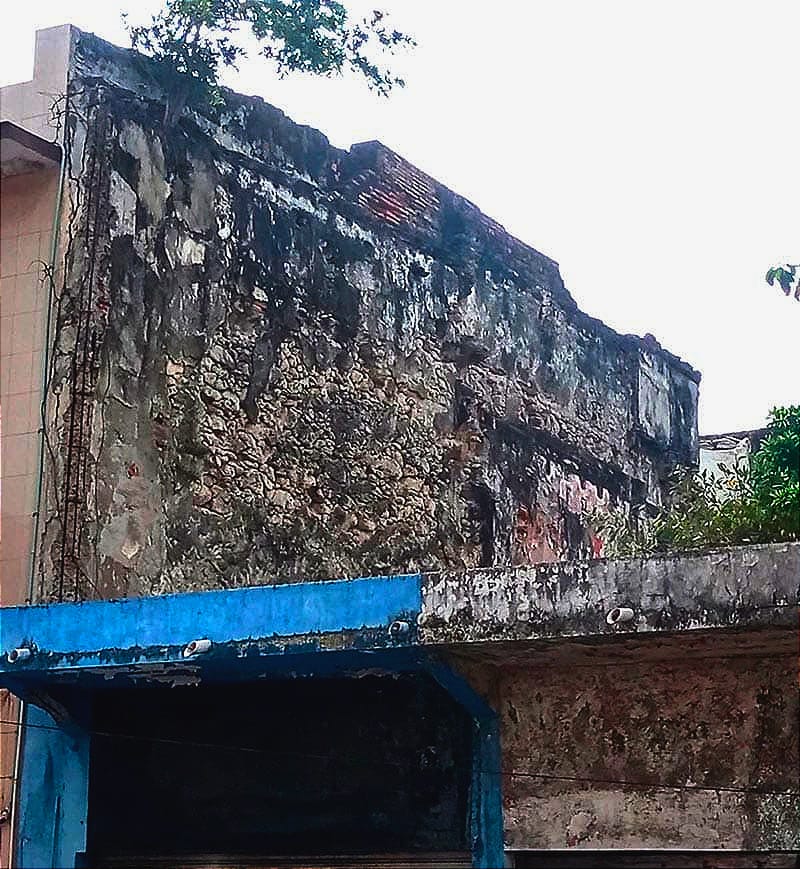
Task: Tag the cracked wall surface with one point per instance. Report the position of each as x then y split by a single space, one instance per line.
275 360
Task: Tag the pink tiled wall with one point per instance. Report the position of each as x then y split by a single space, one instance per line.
26 217
25 234
25 238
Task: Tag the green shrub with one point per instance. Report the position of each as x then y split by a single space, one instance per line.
755 501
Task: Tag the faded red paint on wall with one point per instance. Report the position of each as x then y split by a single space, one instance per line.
541 531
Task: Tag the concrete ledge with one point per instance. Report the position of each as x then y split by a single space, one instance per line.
737 589
22 151
754 586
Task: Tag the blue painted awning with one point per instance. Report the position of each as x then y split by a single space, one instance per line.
246 623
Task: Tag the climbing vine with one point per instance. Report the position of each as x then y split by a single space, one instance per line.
787 278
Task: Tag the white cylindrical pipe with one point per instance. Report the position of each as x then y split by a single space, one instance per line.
619 615
399 628
17 655
196 647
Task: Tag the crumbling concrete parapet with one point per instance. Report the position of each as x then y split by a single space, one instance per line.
734 588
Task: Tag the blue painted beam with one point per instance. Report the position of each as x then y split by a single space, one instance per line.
121 632
486 790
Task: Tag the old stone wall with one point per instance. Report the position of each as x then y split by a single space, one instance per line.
700 741
277 360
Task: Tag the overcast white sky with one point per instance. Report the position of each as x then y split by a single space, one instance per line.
651 148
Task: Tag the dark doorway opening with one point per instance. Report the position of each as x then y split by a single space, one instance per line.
345 766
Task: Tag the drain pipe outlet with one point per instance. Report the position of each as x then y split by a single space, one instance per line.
17 655
399 629
619 615
196 647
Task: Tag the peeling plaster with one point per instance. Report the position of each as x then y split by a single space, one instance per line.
330 353
675 725
737 588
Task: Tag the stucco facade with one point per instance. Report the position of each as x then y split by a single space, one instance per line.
697 739
693 701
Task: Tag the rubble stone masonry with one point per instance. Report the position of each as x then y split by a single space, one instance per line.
275 360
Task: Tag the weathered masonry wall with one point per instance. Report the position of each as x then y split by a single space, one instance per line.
677 729
700 740
278 360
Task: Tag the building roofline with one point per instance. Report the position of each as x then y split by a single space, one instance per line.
18 134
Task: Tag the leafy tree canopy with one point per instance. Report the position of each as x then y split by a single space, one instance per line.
198 37
786 276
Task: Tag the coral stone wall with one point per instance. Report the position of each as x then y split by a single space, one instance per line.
297 362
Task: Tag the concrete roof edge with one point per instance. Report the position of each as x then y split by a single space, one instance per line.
735 588
48 150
